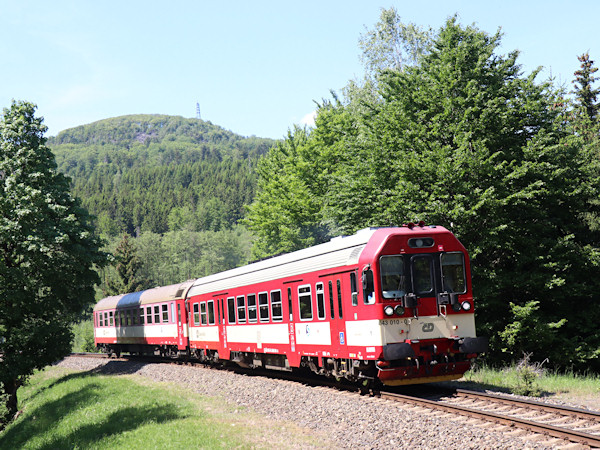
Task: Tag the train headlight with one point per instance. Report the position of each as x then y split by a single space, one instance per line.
399 310
466 306
388 310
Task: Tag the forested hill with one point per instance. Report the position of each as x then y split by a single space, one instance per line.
159 173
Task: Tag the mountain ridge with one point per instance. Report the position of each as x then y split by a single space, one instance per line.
159 173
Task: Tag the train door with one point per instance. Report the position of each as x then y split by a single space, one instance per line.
292 315
182 328
221 314
424 284
336 316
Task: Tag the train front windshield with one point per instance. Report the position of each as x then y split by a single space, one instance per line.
393 280
401 274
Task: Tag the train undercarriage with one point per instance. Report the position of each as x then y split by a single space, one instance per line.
413 369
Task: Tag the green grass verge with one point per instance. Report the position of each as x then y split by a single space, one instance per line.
64 409
532 380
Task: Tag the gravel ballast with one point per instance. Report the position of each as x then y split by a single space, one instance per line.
338 420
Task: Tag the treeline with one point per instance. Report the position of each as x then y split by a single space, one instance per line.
152 173
154 259
446 130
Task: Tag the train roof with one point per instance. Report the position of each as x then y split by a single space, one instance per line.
157 294
338 252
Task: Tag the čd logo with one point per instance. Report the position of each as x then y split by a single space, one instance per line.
428 327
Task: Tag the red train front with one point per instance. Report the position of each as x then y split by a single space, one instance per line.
388 304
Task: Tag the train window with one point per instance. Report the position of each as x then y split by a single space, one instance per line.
251 308
203 313
211 312
101 319
353 288
368 287
231 309
141 314
393 279
331 311
196 312
110 319
421 272
134 317
173 312
305 302
290 304
339 294
276 309
165 313
149 314
241 309
320 301
156 314
263 306
453 272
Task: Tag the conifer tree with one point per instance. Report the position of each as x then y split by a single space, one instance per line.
128 268
586 96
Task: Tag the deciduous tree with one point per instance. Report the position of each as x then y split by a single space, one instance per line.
48 253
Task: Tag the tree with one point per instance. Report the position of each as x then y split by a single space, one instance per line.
586 96
48 253
392 44
463 139
128 266
286 214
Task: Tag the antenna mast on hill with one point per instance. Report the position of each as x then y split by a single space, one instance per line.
198 111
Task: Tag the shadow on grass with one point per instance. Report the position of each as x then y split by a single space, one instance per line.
44 418
38 421
123 420
110 368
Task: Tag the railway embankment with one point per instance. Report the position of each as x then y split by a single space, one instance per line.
332 419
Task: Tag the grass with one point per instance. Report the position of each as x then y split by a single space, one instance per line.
548 383
65 409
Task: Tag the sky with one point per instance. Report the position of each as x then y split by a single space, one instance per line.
254 67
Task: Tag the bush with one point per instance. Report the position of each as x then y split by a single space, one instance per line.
83 340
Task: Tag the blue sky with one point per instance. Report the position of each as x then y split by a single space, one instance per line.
255 68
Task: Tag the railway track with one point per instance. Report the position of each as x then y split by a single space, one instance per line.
566 423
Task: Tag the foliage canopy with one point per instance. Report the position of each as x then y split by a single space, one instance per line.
461 139
48 252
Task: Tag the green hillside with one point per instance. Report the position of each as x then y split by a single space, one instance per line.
159 173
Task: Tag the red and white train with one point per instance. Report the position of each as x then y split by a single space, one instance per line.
388 304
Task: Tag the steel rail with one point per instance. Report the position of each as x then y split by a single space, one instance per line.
537 427
548 407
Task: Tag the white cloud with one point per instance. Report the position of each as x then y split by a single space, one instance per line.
309 119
